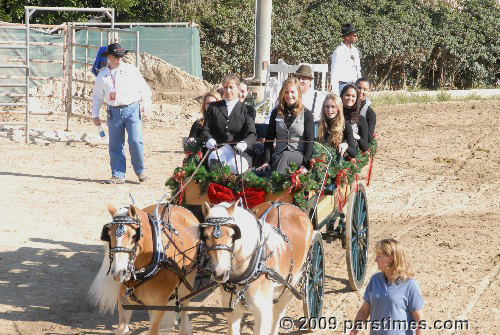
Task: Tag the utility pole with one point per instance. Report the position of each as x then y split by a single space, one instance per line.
262 51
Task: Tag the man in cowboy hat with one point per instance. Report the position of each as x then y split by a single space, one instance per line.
311 99
346 67
127 95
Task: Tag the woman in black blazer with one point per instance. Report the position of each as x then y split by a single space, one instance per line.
230 121
333 130
351 104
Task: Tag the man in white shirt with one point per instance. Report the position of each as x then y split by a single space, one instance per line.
122 87
346 66
311 99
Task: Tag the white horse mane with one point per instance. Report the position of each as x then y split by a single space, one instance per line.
105 290
243 217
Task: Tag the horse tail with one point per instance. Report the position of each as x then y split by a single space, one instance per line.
105 290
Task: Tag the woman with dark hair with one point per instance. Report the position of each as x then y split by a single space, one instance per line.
230 121
351 104
197 127
333 130
363 86
292 126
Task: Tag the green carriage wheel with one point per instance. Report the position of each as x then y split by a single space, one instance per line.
356 237
314 288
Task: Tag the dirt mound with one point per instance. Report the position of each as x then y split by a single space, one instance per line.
168 83
176 93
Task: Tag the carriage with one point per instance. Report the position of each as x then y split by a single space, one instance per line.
338 211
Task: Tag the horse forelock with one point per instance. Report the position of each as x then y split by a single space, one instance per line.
219 211
121 212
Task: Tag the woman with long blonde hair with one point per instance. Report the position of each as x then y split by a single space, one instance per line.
196 128
333 130
292 126
392 300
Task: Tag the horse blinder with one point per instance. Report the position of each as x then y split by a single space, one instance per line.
202 232
105 233
237 232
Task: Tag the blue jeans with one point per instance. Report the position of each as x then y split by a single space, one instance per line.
121 119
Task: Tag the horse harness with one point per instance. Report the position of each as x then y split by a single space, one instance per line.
159 259
259 258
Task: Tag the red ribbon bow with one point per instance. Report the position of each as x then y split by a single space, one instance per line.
253 196
179 176
218 193
295 180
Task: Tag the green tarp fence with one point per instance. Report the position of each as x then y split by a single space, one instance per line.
179 46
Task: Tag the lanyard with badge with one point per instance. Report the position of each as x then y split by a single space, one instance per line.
112 93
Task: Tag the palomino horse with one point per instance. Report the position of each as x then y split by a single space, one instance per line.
258 262
129 261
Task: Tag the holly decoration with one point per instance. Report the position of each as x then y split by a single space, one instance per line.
295 181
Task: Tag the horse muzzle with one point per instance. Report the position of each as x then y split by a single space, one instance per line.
221 279
121 276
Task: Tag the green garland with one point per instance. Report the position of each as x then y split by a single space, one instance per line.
299 184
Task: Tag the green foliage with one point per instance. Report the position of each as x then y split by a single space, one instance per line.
301 185
403 43
15 9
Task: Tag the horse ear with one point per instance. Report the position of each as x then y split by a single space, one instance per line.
231 208
111 209
205 208
132 211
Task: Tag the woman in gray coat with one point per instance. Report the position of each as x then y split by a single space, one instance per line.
292 126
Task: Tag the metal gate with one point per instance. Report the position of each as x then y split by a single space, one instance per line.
78 87
13 84
29 11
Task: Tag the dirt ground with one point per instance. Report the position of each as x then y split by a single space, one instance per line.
434 188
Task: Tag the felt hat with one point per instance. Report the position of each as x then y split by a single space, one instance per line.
305 71
348 28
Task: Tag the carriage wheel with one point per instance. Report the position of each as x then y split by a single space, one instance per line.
315 278
356 237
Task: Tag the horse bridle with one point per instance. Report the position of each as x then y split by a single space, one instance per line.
217 223
121 221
